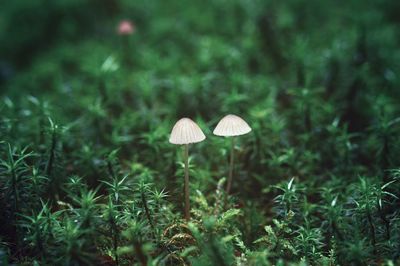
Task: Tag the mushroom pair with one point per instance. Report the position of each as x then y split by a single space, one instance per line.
186 132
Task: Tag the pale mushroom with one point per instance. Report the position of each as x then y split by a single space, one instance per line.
231 126
185 132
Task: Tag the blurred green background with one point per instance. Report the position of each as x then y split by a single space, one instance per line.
297 71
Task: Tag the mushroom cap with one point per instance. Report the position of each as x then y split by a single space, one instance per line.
186 131
126 27
231 125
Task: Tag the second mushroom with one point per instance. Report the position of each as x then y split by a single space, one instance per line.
231 126
185 132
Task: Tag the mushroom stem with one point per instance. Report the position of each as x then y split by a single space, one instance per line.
187 202
229 185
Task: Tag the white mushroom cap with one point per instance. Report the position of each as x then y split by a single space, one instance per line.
186 131
231 125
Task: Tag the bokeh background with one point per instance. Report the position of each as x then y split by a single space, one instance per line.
297 71
318 81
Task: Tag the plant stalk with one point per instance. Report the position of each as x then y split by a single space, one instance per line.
14 180
372 227
49 166
385 221
139 252
115 241
147 211
187 202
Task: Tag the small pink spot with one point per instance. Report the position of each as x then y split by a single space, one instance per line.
126 27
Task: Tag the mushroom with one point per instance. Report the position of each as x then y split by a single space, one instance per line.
231 126
185 132
126 27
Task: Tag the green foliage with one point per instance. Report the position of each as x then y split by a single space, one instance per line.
88 177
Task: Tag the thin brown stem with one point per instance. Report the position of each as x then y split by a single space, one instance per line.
229 185
187 202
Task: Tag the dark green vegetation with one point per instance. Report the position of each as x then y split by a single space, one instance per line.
87 175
